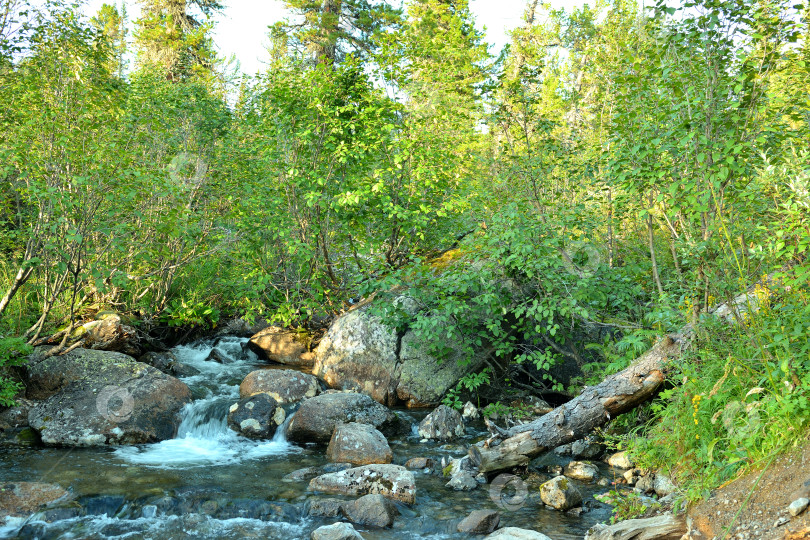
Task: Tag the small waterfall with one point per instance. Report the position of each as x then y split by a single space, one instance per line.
281 433
203 437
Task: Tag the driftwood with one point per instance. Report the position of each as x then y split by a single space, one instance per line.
596 405
666 527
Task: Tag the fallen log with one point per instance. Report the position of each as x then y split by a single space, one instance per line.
666 527
596 405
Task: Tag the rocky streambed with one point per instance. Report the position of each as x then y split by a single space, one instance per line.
283 478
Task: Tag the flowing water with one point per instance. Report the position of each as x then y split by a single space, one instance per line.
209 482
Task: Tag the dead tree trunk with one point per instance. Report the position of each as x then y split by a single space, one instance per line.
596 405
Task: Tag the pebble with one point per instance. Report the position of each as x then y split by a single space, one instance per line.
798 506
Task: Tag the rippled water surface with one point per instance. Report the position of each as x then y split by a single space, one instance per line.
209 482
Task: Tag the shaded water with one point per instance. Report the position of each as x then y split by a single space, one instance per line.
209 482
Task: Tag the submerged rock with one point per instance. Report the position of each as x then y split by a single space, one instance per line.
359 444
442 424
392 481
24 498
419 463
316 419
480 522
283 385
93 398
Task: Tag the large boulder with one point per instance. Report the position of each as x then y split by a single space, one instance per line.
358 444
92 398
317 417
256 417
283 385
25 498
392 481
442 424
362 354
281 346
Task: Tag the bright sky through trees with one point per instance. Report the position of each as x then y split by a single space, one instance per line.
242 29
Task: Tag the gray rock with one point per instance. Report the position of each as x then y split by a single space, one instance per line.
336 531
308 473
646 483
17 416
372 510
586 449
93 398
283 385
581 470
325 508
316 419
463 481
480 522
513 533
563 450
798 506
663 486
442 424
560 493
255 417
470 412
358 444
359 353
392 481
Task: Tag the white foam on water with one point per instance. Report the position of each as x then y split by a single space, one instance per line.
162 527
203 437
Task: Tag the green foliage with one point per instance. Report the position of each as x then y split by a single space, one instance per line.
626 504
12 353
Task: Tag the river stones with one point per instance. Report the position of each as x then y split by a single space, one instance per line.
581 470
281 346
560 493
392 481
372 510
442 424
586 449
316 419
25 498
419 463
480 522
513 533
283 385
359 444
93 398
336 531
256 417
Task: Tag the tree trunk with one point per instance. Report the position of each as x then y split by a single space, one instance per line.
596 405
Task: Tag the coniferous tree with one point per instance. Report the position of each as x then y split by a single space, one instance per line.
173 35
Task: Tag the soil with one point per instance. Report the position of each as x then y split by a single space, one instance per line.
763 516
